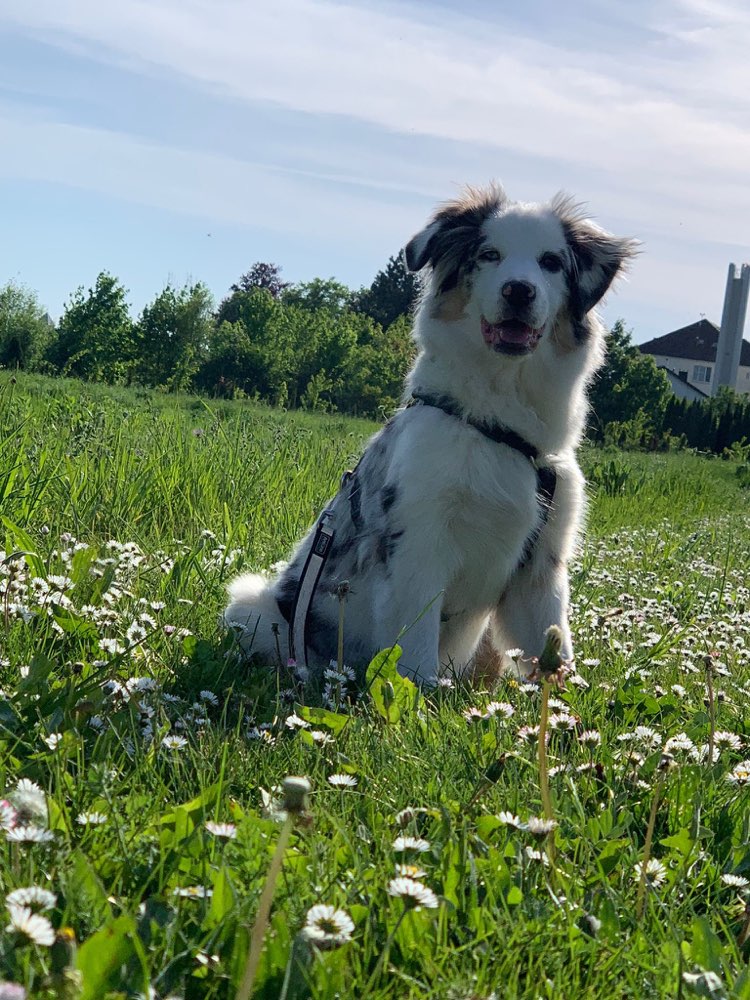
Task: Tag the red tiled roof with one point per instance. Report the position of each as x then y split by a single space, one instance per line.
696 342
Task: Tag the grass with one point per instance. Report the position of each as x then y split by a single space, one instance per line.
123 515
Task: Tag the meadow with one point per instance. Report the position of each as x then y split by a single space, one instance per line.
142 762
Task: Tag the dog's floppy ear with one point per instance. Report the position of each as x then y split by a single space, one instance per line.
597 256
453 233
417 251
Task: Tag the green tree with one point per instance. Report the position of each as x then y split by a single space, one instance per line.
174 334
320 293
96 338
261 277
26 331
392 293
629 384
372 383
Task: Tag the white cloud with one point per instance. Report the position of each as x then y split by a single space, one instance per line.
622 113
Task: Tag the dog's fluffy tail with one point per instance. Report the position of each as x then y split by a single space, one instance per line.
253 612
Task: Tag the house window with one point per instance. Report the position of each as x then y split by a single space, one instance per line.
701 373
683 376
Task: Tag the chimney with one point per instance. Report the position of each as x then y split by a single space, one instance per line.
732 325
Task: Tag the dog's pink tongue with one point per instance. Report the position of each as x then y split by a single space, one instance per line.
509 332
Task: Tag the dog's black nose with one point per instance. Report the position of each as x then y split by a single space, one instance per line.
518 293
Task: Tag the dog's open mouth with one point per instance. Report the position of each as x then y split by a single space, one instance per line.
510 336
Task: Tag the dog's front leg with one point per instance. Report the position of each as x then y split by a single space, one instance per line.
407 612
536 599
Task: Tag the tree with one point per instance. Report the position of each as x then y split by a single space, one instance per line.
96 338
174 334
318 294
391 294
261 276
26 330
628 384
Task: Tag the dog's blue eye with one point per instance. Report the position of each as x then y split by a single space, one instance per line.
550 262
490 255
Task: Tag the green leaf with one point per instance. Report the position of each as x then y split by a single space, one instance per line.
680 842
487 825
102 956
75 626
705 948
393 695
514 897
222 900
322 717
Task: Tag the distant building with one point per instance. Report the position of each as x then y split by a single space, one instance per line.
690 353
681 387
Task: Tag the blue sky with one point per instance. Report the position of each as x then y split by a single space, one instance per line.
177 140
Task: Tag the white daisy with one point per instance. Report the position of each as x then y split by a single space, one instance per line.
33 895
327 927
656 873
226 830
510 819
34 926
91 818
136 633
174 742
415 844
540 827
730 740
294 721
342 780
414 894
590 738
193 892
499 708
29 801
740 774
735 881
29 835
410 871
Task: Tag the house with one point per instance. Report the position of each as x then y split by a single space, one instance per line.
690 353
680 385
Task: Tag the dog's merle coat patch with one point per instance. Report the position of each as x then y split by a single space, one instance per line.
440 532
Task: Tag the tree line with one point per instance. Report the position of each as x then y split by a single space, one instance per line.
314 344
317 345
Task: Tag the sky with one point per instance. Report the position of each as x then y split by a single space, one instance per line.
183 140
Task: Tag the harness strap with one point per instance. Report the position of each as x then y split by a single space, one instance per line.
308 581
496 432
546 476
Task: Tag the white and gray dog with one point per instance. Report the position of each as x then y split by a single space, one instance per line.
455 529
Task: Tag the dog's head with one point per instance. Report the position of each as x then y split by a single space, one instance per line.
517 272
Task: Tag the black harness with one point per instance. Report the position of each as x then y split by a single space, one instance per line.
546 481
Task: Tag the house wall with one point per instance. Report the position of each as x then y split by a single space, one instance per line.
689 366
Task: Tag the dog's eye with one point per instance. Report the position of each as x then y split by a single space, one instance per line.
490 254
550 262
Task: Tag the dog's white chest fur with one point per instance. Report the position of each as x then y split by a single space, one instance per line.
449 540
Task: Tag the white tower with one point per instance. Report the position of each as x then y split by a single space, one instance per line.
732 325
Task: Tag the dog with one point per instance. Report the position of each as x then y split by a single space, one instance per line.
452 535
